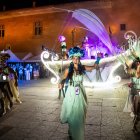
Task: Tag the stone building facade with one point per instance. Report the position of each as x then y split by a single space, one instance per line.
27 30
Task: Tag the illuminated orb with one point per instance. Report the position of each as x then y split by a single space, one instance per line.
61 38
4 77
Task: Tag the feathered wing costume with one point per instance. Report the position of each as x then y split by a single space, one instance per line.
131 61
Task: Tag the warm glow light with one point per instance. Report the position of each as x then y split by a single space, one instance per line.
114 29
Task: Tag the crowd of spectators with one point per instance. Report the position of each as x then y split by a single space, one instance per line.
29 71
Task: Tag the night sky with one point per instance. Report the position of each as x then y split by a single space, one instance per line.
18 4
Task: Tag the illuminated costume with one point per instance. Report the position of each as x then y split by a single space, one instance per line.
5 91
74 105
14 85
8 84
132 67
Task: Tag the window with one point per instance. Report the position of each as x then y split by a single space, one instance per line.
122 27
38 28
2 31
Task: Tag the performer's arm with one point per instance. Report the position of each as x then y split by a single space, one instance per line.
138 72
133 52
62 81
95 66
90 68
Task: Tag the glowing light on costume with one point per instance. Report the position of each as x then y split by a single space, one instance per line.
50 64
128 56
117 78
130 34
45 55
110 81
55 57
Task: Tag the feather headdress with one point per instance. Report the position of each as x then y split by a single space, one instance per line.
76 51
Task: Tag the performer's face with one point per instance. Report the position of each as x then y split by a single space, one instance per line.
75 59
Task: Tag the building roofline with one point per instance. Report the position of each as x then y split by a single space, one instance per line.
56 8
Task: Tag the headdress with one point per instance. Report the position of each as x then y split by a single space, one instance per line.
76 51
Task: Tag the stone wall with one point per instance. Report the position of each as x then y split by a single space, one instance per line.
19 24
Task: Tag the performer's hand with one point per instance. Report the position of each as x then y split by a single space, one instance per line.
130 85
138 71
60 86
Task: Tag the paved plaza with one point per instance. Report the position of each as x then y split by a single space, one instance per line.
37 118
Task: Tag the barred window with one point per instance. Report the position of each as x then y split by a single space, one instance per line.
2 31
38 28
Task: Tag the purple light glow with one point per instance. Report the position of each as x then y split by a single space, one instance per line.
94 46
86 45
94 25
61 38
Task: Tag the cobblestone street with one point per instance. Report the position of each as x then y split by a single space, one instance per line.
37 118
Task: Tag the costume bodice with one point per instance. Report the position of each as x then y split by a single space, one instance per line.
76 79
